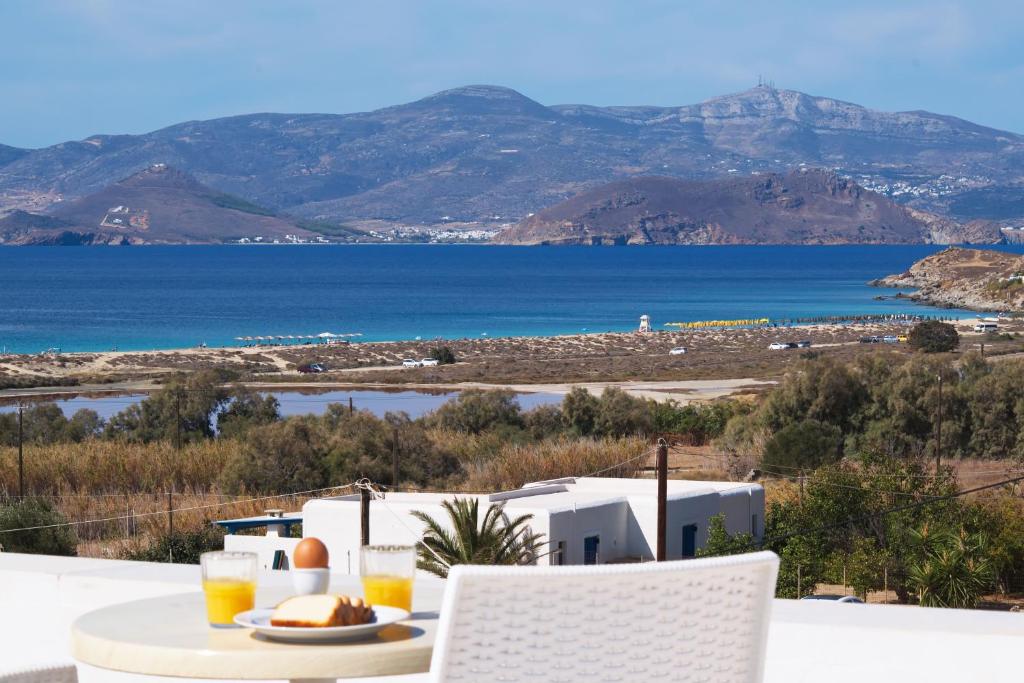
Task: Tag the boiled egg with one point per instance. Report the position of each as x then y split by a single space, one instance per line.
310 553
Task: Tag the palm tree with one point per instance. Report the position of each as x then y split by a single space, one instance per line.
952 568
496 540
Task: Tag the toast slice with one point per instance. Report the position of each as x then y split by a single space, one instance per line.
310 611
318 611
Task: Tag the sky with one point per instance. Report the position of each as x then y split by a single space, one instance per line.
69 70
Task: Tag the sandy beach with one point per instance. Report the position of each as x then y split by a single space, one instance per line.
718 362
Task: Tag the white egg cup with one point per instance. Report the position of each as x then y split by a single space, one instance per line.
311 581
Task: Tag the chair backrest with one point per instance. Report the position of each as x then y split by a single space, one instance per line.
55 673
688 620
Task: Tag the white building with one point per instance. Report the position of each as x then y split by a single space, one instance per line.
590 520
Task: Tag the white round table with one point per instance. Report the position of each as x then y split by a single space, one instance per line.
169 636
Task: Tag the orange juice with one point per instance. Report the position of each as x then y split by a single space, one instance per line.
394 591
227 597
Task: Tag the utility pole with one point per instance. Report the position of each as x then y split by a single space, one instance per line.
801 488
351 406
21 456
938 431
177 418
170 525
662 465
364 516
394 459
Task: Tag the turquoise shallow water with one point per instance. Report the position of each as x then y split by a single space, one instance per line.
90 299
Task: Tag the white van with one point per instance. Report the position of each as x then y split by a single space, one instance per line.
986 327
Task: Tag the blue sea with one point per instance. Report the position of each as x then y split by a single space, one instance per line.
92 299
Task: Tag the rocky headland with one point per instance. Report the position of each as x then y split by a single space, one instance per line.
977 279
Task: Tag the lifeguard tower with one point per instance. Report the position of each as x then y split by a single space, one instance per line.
645 323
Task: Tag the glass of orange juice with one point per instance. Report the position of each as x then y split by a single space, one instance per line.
387 572
229 581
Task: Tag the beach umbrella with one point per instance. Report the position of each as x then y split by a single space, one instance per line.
327 335
239 339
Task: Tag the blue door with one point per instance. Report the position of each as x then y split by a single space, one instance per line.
690 540
590 548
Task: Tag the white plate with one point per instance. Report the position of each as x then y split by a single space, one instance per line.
259 621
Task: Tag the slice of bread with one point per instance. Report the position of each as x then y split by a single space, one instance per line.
318 611
308 611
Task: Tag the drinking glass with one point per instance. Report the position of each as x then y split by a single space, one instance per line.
229 581
387 572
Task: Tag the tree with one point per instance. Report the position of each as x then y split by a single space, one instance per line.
497 540
619 414
865 567
802 445
84 424
283 457
36 512
184 407
362 445
543 422
476 410
579 410
247 409
443 355
934 336
951 568
720 542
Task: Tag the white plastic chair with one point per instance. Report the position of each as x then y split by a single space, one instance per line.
690 620
57 672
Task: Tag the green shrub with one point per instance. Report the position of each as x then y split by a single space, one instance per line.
933 336
543 422
579 411
282 457
443 355
34 512
181 547
619 414
804 445
476 410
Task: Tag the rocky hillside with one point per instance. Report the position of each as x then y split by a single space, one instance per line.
977 279
490 155
159 205
801 207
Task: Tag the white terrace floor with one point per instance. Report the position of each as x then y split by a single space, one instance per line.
810 641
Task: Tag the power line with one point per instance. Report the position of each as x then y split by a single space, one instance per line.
186 509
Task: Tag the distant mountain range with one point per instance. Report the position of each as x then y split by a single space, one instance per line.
801 207
488 157
159 205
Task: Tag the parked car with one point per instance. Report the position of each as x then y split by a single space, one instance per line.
411 363
835 598
870 340
986 327
677 351
312 368
429 362
777 346
805 344
902 338
891 339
